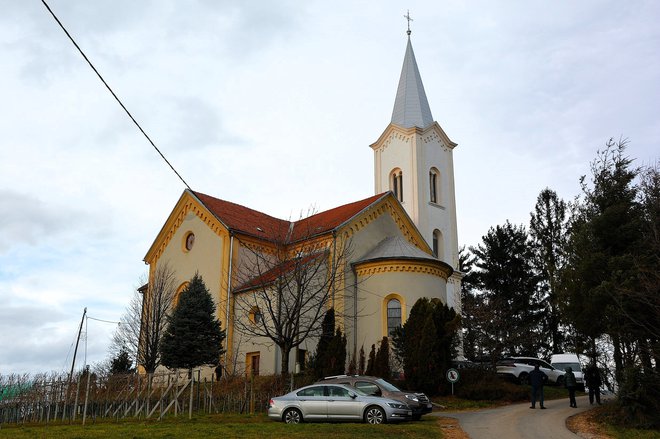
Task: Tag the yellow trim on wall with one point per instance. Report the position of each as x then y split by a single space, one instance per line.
400 217
403 265
179 290
187 203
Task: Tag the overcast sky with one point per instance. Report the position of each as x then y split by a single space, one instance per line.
273 105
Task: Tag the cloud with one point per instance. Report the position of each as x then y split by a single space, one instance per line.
28 220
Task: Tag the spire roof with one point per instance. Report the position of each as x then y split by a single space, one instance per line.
411 108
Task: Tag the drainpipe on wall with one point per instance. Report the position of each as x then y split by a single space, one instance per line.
355 302
231 260
334 267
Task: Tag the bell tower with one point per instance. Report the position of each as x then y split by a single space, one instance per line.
413 158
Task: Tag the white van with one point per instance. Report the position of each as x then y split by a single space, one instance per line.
562 361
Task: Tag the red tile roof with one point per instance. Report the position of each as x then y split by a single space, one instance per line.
286 266
251 222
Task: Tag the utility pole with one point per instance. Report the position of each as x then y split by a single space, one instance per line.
73 363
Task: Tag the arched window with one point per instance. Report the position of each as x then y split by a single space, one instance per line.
438 244
396 184
434 185
177 295
393 316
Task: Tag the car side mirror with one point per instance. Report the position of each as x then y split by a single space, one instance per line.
352 395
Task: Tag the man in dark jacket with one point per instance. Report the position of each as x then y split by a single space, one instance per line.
571 383
593 381
536 378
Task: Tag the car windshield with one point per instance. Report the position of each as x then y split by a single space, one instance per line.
574 366
387 386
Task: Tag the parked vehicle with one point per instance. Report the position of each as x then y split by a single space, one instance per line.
419 403
335 402
562 361
518 369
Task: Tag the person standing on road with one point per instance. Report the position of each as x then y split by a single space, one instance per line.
571 383
536 378
593 382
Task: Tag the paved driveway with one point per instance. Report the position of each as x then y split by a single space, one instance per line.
518 421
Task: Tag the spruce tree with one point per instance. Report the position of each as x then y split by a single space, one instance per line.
548 228
320 362
508 284
382 360
121 364
193 336
426 343
371 362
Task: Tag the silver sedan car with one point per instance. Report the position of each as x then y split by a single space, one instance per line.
335 402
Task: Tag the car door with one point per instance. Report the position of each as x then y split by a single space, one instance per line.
341 405
313 402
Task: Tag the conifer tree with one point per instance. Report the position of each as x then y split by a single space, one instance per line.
361 362
548 230
426 343
371 362
193 336
352 366
121 364
382 360
508 285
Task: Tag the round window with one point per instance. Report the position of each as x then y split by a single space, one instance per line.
190 241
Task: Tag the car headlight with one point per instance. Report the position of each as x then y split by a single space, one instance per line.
396 405
412 398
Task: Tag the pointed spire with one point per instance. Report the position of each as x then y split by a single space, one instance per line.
411 108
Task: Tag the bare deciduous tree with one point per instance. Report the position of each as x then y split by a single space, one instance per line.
284 289
143 323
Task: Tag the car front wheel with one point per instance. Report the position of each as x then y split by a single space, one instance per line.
560 381
523 378
375 415
292 416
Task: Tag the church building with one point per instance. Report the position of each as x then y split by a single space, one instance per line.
369 260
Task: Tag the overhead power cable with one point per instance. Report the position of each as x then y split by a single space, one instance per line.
113 93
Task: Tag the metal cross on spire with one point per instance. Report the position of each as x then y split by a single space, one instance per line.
407 17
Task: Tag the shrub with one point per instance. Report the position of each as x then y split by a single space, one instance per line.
638 405
480 384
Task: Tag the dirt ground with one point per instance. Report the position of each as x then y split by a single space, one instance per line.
585 426
582 424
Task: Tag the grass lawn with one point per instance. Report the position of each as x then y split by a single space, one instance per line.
225 426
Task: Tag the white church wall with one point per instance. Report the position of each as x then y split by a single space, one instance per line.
205 256
374 291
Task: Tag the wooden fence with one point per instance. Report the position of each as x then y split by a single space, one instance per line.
87 398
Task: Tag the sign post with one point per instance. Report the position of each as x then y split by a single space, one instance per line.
452 376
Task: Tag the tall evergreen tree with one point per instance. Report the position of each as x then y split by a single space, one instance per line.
382 360
605 243
470 307
371 362
548 231
426 343
508 288
330 358
647 296
193 336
